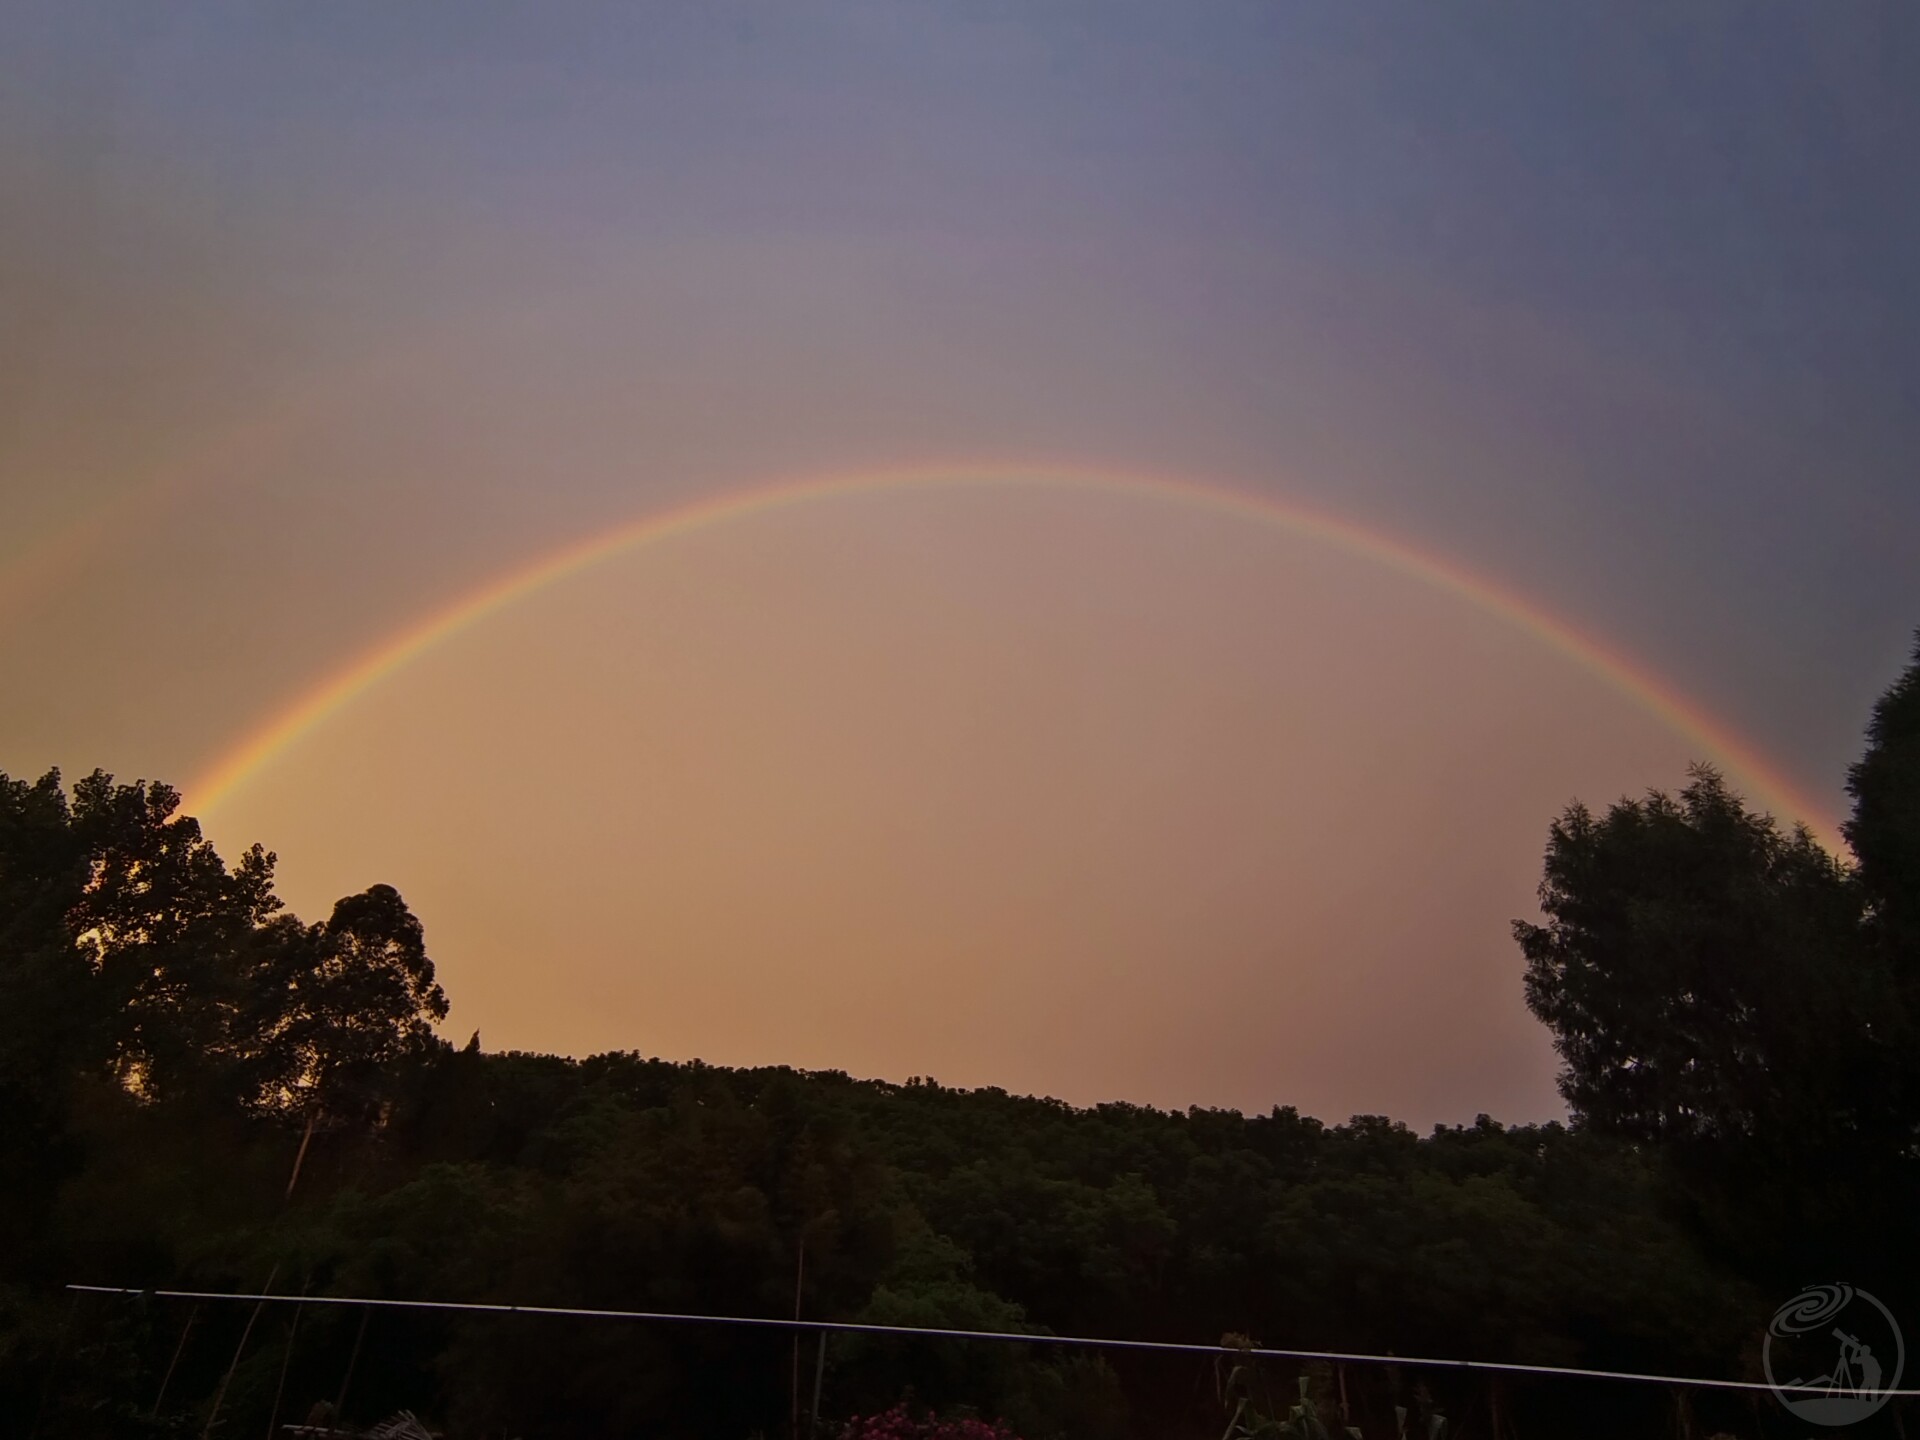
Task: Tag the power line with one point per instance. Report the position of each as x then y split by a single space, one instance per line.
932 1333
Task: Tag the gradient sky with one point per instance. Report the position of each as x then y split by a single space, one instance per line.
315 319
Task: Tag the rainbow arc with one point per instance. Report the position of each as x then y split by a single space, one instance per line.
1743 762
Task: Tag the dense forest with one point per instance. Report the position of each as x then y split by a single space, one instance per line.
200 1091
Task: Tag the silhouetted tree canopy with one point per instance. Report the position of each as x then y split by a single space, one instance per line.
1732 1006
1747 1003
354 997
1705 976
1885 828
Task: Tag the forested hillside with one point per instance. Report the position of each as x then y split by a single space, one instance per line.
200 1091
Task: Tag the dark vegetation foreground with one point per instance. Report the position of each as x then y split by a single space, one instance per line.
199 1091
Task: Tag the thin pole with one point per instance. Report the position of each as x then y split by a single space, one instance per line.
799 1276
819 1374
286 1361
178 1350
340 1404
1682 1415
220 1395
300 1158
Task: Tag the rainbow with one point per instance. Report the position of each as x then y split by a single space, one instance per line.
1743 762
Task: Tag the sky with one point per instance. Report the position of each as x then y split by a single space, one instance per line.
1560 367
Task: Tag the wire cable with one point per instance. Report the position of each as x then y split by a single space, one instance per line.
933 1333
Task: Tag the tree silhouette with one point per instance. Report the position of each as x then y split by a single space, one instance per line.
1746 1002
168 931
1885 831
1703 974
1731 1004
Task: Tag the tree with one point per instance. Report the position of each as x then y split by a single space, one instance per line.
44 1002
168 932
343 1004
1705 976
50 1028
1746 1004
128 947
1885 829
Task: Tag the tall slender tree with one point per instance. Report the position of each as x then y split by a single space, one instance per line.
1885 829
1745 1001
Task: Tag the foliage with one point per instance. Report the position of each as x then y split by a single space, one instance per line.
900 1424
1703 974
1884 830
1747 1004
1253 1414
1731 1005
